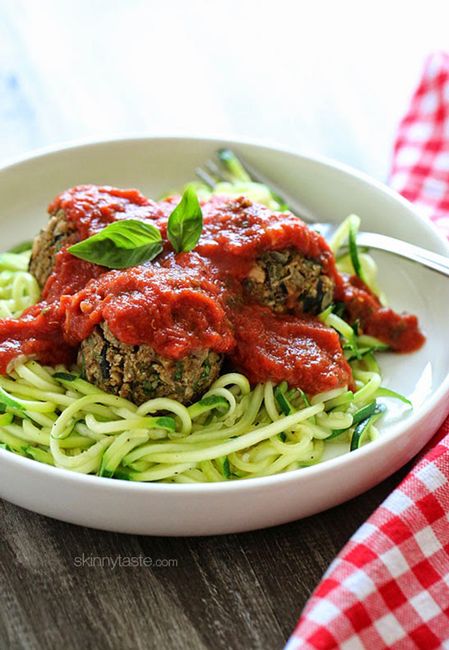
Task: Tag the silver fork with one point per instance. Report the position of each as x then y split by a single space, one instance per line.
422 256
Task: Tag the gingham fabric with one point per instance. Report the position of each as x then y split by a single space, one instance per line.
420 169
389 586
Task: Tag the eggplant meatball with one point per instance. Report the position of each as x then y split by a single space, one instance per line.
291 267
286 281
80 212
57 233
137 373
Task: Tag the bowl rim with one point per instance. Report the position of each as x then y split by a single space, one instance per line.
396 430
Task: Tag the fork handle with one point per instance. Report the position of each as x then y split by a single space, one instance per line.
427 258
431 260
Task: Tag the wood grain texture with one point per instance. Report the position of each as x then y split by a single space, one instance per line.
220 593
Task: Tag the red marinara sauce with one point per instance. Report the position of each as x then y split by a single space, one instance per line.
400 331
181 303
237 231
89 208
39 333
176 308
301 351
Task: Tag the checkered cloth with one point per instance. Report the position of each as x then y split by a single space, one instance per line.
389 586
420 170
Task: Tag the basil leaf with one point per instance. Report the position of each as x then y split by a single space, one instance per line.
120 245
185 222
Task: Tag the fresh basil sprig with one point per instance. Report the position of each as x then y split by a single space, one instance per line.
120 245
130 242
185 222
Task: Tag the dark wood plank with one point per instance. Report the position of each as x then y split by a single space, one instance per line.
219 592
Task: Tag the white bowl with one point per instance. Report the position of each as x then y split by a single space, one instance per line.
331 190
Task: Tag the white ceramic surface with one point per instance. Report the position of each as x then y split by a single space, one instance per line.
333 191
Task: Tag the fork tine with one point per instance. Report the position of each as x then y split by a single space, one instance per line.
205 177
216 171
294 205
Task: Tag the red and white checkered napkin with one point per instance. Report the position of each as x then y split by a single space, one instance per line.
389 586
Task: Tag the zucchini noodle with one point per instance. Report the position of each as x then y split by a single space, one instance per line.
18 288
234 431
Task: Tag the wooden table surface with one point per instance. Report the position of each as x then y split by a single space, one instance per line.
63 586
333 79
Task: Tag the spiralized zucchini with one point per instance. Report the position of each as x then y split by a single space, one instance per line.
18 288
235 431
354 261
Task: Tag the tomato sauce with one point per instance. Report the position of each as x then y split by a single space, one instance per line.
400 331
38 333
70 275
236 232
91 207
176 308
181 303
301 351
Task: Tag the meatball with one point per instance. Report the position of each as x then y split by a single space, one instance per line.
291 267
57 233
82 211
137 373
286 281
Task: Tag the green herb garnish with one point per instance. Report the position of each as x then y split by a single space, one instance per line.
120 245
185 222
